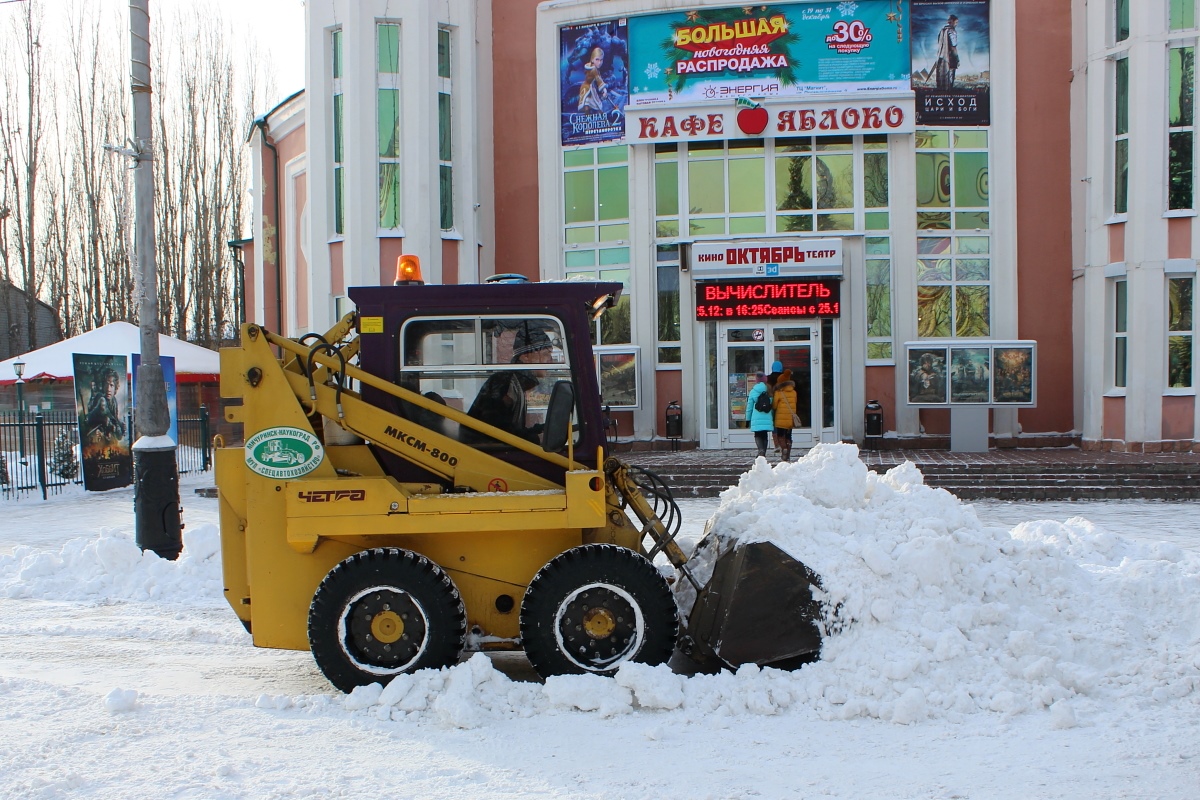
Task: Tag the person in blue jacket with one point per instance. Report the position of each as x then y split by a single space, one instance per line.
761 422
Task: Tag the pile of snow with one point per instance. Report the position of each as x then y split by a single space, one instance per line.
948 617
945 618
110 566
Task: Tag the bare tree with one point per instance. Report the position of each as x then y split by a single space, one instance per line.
64 105
95 92
21 120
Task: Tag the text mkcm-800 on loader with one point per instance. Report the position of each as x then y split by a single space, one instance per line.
429 477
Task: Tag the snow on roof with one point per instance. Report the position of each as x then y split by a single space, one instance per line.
116 339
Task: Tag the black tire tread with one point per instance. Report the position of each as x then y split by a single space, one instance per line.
410 571
621 566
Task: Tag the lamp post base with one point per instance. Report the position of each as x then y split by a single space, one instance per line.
157 513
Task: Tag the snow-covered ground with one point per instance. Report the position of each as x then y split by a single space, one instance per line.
997 650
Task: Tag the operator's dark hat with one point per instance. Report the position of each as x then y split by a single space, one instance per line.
952 17
530 339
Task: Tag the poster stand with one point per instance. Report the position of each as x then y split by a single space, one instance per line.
968 429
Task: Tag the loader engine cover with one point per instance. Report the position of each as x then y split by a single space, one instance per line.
757 608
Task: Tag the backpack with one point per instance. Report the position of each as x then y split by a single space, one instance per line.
763 403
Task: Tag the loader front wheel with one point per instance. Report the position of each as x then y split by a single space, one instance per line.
595 607
383 612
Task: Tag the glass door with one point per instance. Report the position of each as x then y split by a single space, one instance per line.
746 350
797 347
745 355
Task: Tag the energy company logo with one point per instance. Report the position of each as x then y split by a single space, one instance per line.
283 453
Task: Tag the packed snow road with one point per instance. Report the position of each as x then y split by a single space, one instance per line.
1056 659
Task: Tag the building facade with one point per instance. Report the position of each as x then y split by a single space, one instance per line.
1134 207
906 202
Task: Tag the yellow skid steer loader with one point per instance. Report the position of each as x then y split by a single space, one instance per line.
429 477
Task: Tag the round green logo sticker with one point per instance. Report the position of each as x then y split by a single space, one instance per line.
283 453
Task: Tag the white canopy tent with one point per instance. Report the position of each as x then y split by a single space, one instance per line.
53 362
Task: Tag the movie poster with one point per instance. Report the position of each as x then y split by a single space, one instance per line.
773 50
970 374
1012 369
168 369
102 401
951 61
593 81
927 375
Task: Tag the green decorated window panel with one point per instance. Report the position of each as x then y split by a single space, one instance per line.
1183 14
953 268
879 298
387 41
953 286
1120 332
756 187
1121 136
1181 95
667 286
1181 326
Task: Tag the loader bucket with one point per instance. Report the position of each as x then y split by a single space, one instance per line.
759 608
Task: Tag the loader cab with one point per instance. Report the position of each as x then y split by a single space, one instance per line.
493 351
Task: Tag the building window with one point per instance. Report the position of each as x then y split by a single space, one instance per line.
1121 138
596 229
879 298
1121 20
445 128
667 281
1181 130
751 187
339 194
1183 14
1120 332
953 240
727 188
1181 327
666 191
596 195
814 184
387 114
615 325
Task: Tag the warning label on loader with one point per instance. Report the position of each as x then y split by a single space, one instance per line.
283 453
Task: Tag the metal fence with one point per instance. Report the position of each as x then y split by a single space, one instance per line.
39 451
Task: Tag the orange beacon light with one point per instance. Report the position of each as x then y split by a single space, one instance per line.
408 271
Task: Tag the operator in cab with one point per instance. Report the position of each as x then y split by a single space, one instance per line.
502 398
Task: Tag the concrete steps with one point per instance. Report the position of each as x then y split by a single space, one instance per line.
1007 481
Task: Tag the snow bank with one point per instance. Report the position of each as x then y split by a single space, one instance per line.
947 618
110 566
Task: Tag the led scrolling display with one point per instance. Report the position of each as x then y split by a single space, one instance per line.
761 299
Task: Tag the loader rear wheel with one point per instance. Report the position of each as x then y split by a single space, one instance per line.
595 607
383 612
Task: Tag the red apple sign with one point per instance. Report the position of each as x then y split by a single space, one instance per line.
752 121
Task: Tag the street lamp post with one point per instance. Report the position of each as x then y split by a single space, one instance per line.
155 473
19 368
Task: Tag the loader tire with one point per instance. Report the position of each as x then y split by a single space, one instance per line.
595 607
383 612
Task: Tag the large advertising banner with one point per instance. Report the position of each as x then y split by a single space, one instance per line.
101 400
767 51
593 81
168 369
951 61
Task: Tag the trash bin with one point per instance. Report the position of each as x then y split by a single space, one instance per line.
873 424
674 423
